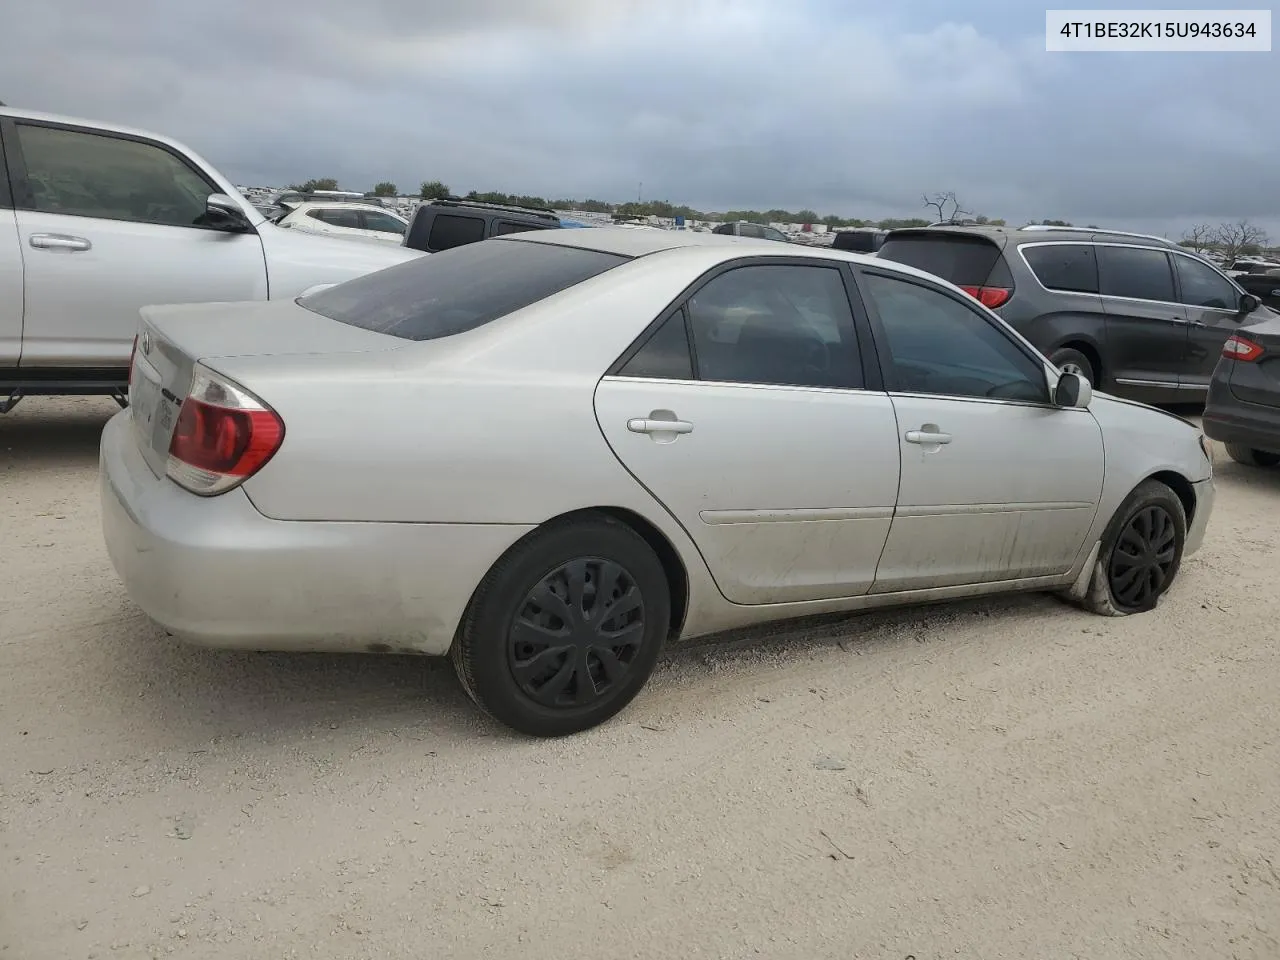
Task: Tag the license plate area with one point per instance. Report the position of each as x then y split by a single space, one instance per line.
153 413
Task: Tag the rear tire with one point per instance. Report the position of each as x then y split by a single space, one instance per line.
1251 457
1069 360
1141 553
566 628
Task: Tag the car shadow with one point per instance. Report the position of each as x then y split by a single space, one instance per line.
43 431
193 697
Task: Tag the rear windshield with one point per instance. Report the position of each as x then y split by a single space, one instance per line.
859 241
966 261
457 290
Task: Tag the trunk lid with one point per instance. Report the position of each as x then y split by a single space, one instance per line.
172 339
1258 381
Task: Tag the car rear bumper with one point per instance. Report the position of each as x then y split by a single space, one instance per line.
215 571
1248 424
1205 493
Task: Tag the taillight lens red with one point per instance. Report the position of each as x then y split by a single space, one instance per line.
223 436
1240 348
990 297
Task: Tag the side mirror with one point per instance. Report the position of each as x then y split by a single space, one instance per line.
1248 304
223 213
1072 390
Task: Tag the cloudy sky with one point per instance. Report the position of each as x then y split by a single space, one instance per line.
848 106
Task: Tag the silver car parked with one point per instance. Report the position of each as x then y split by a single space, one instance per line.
549 453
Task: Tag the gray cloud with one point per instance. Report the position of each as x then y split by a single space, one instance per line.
717 103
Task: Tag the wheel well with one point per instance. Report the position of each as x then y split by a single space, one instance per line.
1182 487
672 565
1095 359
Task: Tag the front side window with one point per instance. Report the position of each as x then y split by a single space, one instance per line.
1202 286
776 324
1136 273
81 174
458 290
383 223
1064 266
772 234
939 346
450 230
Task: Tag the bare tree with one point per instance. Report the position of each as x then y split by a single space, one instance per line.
1238 239
1199 238
939 202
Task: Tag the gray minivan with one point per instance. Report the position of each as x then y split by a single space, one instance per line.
1135 314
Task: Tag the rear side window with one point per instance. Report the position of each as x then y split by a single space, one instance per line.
1064 266
1135 272
965 261
450 230
665 355
458 290
503 227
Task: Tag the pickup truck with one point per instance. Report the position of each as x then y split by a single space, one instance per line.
98 221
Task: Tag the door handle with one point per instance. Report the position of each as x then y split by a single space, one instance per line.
58 241
926 436
644 425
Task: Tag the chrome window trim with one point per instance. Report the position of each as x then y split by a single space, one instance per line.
680 381
1137 246
618 378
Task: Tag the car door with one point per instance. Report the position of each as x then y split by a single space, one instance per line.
1213 313
997 482
748 413
382 226
108 224
10 274
1146 326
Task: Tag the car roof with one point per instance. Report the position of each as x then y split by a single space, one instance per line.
1039 233
17 114
343 205
640 243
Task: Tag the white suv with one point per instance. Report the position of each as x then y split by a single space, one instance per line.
351 220
98 221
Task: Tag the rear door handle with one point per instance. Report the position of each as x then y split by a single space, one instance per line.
643 425
926 436
59 241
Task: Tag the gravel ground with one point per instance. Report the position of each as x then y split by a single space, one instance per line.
1002 779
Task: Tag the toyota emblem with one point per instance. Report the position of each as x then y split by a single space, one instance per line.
146 343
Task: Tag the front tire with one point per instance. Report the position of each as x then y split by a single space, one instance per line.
1251 457
1073 361
566 628
1141 553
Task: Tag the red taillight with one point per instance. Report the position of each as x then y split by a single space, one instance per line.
133 355
990 297
1238 348
223 436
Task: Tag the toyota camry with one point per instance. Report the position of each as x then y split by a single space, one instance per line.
547 454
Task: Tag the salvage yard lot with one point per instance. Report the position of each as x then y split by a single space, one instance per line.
1003 778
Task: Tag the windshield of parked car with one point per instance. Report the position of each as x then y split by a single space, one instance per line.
460 289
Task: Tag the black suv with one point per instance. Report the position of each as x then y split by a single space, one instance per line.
441 224
1135 314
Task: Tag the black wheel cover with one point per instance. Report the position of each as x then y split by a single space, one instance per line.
1143 558
576 634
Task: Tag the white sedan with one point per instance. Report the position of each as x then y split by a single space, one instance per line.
548 454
